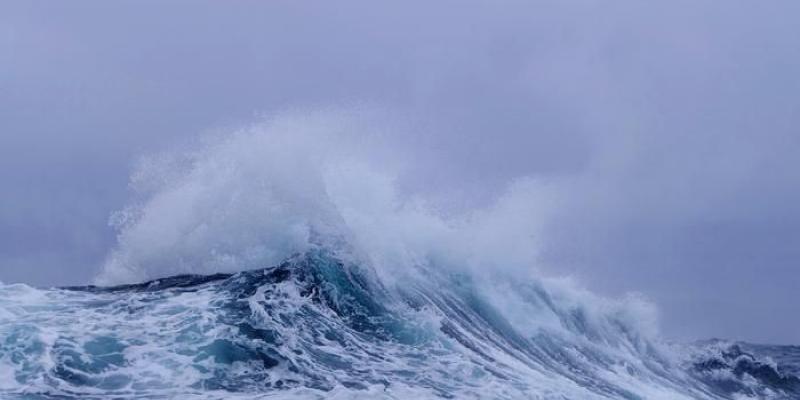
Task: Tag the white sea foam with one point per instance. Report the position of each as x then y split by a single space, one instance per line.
252 197
255 196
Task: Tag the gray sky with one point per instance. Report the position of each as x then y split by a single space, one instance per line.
671 128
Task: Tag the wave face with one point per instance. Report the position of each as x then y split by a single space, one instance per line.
316 326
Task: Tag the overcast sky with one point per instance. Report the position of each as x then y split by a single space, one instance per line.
672 129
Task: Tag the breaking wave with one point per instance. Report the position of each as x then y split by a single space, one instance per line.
277 264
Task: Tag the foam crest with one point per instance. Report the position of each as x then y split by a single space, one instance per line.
256 196
237 202
252 197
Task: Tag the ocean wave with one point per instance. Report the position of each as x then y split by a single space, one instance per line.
281 261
